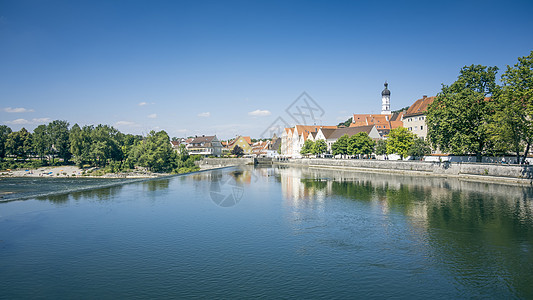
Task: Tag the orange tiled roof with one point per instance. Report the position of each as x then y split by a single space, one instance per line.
419 107
381 121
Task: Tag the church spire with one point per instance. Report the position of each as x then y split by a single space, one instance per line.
385 100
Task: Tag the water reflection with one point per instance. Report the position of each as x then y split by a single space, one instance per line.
100 194
156 184
481 232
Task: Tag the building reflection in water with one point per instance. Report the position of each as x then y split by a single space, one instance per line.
482 231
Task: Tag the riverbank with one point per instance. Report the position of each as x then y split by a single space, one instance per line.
511 174
74 171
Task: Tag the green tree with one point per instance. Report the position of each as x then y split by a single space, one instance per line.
307 148
59 139
237 151
156 153
341 145
399 141
319 147
459 118
19 143
419 148
381 147
345 123
4 133
105 145
360 143
41 141
513 126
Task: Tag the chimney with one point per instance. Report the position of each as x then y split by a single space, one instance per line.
424 97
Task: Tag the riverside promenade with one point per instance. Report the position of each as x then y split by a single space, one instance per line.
520 174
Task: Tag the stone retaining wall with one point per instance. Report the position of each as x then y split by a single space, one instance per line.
490 171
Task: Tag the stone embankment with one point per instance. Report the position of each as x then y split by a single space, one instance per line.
474 171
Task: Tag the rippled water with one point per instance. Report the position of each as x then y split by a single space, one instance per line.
272 233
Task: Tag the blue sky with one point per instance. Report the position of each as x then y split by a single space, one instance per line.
233 67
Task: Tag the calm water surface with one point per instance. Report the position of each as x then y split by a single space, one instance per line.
271 233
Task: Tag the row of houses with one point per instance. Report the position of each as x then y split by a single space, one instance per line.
212 146
377 126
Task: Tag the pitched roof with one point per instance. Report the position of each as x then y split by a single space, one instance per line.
419 107
203 139
397 116
381 121
327 132
337 133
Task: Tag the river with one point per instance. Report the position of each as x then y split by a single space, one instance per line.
271 232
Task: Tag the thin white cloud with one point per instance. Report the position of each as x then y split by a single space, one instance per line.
32 121
17 110
41 120
152 116
142 103
126 124
259 113
205 114
19 122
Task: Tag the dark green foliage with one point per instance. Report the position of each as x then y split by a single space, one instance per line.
360 143
319 147
419 148
307 148
102 146
4 133
512 129
400 110
346 123
41 142
460 118
237 151
399 141
340 146
155 153
381 147
19 144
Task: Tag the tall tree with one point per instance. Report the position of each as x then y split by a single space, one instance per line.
360 143
319 147
19 143
459 118
399 141
4 133
157 153
237 151
419 148
105 144
514 113
381 147
59 139
41 141
307 148
341 145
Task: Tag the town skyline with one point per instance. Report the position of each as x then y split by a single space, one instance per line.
232 68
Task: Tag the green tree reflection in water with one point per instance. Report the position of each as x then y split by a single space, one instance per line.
481 233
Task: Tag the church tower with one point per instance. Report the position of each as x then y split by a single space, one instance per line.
385 101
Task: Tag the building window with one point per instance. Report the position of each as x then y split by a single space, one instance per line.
421 127
416 127
410 128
